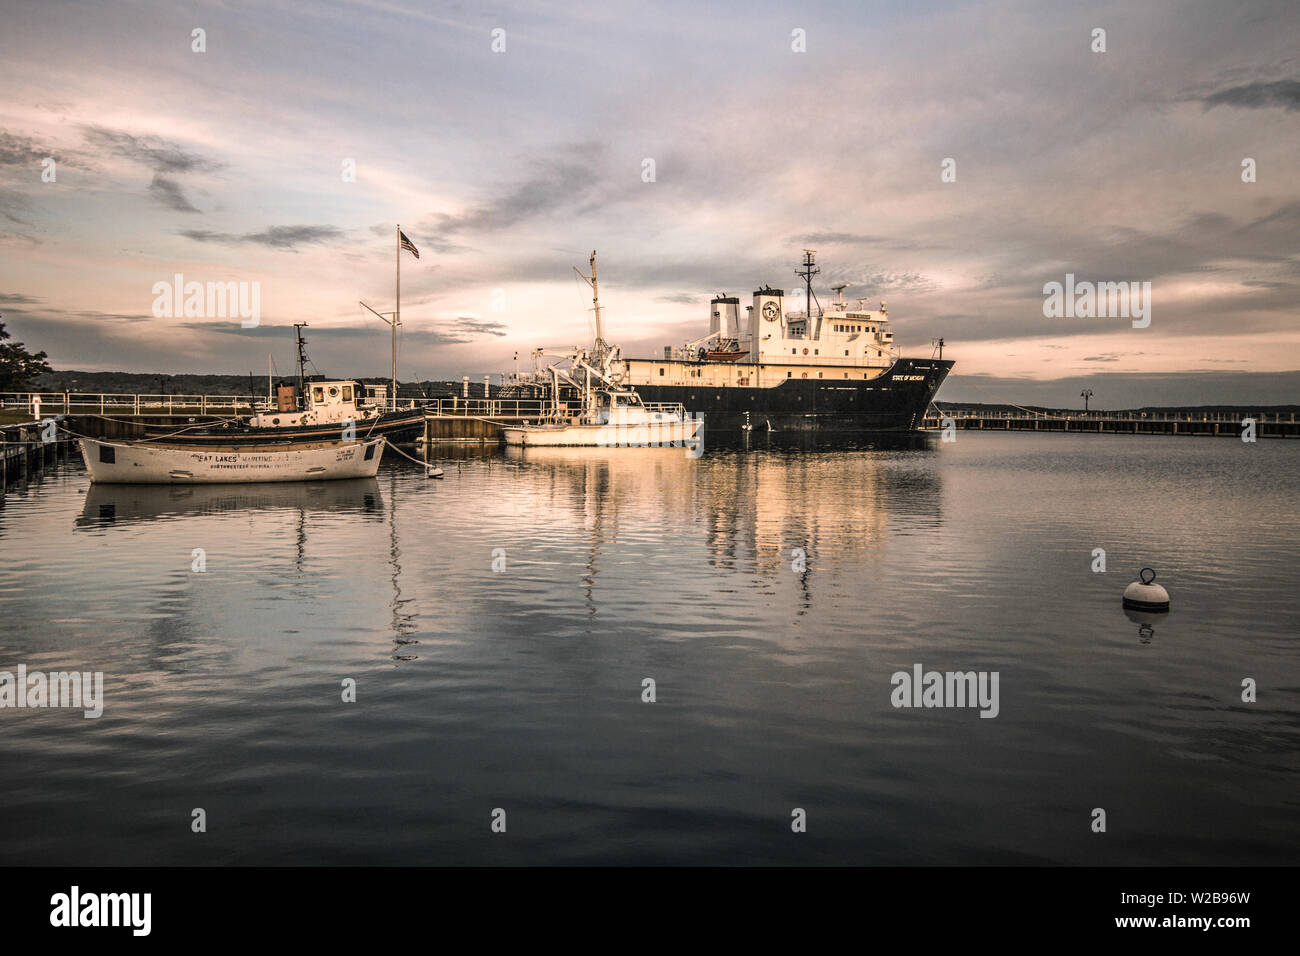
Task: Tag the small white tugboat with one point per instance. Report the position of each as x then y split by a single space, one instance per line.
146 462
614 418
612 415
312 411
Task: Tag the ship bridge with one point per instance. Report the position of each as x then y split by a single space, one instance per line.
771 344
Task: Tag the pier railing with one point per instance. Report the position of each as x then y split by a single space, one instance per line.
110 403
126 403
490 407
1174 422
932 417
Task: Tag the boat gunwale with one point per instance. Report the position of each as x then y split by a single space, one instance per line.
236 449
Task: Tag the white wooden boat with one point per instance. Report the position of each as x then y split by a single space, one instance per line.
175 463
617 418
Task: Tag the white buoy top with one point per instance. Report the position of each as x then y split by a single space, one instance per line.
1144 595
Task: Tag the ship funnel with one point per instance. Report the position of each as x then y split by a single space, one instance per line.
724 316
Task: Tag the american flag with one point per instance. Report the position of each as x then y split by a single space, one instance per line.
408 245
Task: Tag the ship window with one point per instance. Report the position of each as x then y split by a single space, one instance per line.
805 374
317 395
794 351
817 351
846 351
347 393
661 371
789 374
334 391
819 374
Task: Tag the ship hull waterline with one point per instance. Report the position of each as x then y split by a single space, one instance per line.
150 463
895 401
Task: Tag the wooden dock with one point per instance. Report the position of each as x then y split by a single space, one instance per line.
26 449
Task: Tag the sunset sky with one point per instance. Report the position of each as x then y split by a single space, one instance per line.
506 169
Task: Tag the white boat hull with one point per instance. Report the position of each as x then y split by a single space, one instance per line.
169 464
675 433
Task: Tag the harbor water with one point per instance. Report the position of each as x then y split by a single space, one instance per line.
506 628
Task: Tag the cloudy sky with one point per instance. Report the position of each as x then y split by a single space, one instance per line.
508 168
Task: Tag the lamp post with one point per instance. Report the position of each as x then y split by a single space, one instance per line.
1085 395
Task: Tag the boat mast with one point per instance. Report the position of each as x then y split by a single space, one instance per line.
397 315
302 360
601 348
595 301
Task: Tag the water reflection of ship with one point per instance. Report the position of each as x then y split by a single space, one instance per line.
108 505
755 508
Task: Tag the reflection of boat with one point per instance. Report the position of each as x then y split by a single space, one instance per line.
613 418
158 463
117 504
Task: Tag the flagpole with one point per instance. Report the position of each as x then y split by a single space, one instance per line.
397 315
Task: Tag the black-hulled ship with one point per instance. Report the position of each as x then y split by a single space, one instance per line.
815 370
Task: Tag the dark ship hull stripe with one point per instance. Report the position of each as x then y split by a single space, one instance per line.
886 403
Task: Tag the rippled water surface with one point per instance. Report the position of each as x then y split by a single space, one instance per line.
520 688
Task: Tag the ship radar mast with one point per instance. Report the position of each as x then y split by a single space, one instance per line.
809 270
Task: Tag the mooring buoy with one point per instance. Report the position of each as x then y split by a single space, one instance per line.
1143 595
433 471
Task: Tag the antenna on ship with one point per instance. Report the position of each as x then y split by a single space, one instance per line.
839 293
809 270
